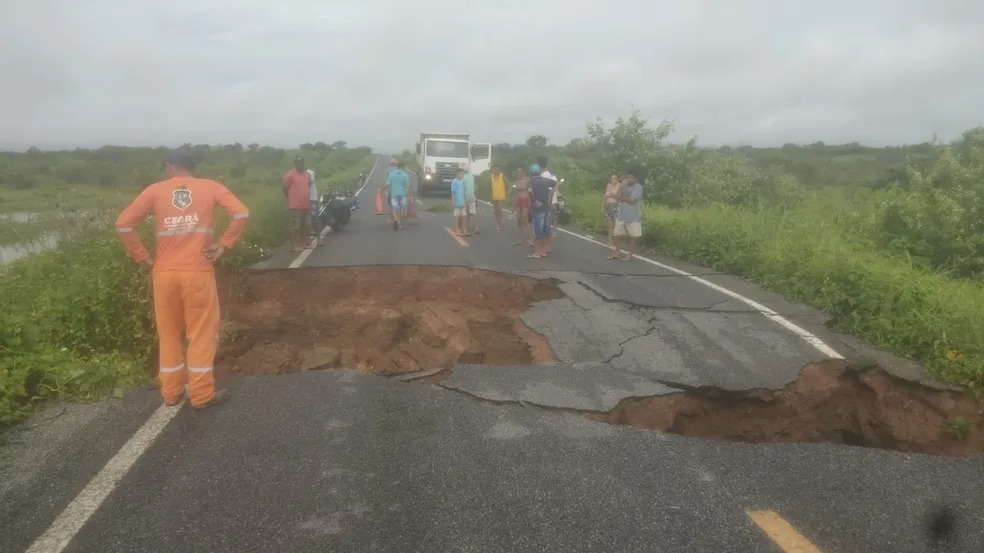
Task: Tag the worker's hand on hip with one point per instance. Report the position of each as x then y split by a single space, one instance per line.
214 252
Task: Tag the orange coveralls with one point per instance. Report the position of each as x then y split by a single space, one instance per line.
185 297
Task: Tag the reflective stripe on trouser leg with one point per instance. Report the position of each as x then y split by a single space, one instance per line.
169 314
201 315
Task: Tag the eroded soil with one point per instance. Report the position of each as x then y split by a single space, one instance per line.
381 320
829 403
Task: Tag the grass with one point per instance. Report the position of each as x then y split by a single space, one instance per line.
60 197
76 322
806 255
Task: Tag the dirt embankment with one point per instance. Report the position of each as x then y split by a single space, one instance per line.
829 403
382 320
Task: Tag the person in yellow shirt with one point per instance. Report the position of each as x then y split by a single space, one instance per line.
498 194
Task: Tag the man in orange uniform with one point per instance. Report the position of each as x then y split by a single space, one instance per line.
185 296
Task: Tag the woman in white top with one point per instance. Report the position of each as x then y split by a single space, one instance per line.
609 207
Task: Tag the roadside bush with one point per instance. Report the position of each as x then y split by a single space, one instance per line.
821 247
77 322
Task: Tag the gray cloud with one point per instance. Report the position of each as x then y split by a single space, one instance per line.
380 71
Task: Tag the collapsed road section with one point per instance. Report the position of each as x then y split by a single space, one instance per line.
381 320
605 359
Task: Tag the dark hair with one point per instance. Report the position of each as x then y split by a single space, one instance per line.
542 162
180 157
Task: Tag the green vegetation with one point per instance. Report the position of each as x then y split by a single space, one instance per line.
885 240
16 232
76 321
958 429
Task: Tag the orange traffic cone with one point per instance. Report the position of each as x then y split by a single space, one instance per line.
380 202
412 208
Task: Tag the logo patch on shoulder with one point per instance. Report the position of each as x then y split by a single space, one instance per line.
181 198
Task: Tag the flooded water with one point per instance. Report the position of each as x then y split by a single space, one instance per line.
13 252
19 217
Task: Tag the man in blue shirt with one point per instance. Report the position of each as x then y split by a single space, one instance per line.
542 189
458 208
398 184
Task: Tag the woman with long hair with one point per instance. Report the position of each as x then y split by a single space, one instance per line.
521 204
609 206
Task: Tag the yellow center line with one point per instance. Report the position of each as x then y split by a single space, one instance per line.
457 238
782 532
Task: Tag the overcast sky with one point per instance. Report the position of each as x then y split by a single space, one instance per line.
378 72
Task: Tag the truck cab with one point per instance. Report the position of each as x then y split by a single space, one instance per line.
440 155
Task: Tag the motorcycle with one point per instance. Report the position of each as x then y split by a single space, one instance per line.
336 208
560 212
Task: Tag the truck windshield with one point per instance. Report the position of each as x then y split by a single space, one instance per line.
444 148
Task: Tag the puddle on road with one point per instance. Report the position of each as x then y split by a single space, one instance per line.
380 320
829 403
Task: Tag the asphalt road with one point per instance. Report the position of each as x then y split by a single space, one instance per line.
495 458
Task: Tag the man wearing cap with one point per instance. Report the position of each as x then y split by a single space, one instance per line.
297 183
186 302
541 188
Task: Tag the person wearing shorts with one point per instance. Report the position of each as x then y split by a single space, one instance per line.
471 201
458 208
297 187
521 205
628 222
398 185
315 207
498 184
609 206
541 189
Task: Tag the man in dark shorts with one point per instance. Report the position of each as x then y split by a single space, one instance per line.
542 189
297 185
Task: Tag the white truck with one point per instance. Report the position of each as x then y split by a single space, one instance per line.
439 155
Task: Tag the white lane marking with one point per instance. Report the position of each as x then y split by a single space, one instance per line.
71 520
800 332
302 257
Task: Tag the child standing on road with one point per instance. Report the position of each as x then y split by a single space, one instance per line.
458 208
498 183
471 200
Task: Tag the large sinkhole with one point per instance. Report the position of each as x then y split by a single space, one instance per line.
381 320
831 402
395 320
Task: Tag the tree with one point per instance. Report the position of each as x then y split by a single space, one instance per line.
537 141
339 145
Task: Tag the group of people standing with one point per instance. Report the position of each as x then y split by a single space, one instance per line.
622 208
534 197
